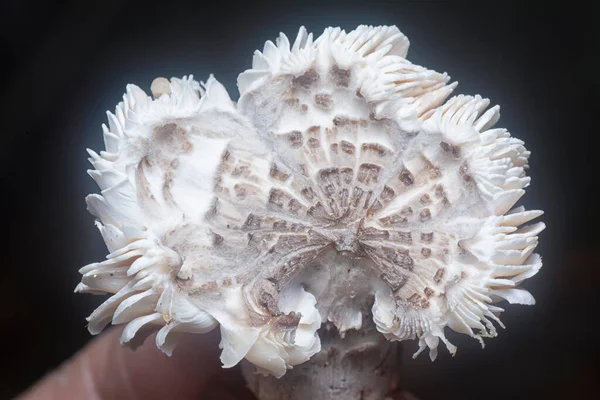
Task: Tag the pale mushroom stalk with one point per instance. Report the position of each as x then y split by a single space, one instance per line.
340 206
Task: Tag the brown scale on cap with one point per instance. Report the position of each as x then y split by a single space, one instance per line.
348 147
306 80
294 206
275 198
278 174
288 321
376 148
252 222
426 237
323 100
406 177
394 219
308 193
368 173
425 215
439 274
396 281
428 292
402 237
339 76
464 172
451 149
295 139
240 191
314 143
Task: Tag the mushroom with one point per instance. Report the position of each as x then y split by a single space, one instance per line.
340 206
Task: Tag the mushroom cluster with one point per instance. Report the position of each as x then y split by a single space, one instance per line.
341 187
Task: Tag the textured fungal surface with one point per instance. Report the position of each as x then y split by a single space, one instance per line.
344 184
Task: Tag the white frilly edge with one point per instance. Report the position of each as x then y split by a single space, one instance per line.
273 350
146 300
503 245
393 86
496 161
136 272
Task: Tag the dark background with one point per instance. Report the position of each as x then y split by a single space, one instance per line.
68 62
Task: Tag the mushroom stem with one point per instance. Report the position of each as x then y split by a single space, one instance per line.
361 365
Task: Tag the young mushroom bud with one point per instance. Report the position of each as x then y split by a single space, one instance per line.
342 199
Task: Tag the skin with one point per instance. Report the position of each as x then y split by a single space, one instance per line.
105 370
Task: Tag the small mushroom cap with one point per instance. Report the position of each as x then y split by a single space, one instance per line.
159 87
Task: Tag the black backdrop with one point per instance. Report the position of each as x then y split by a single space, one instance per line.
68 62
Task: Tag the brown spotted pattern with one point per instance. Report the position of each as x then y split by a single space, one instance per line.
340 183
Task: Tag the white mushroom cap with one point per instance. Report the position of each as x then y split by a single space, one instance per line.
340 155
